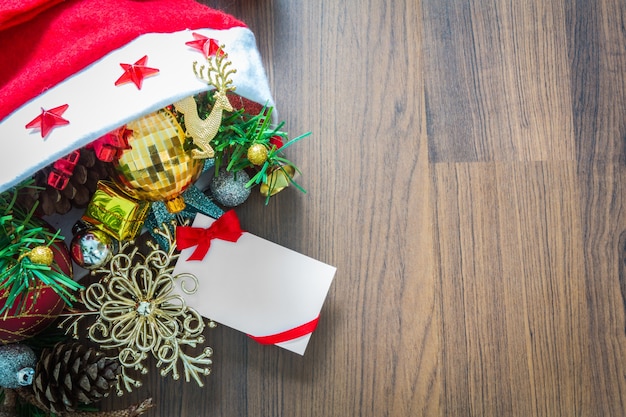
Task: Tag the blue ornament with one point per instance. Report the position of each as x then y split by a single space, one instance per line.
229 188
17 365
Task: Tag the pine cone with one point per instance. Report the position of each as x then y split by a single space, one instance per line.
77 193
72 373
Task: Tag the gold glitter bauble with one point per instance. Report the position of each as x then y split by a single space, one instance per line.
157 167
257 154
41 255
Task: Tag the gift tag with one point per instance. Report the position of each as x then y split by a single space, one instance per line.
272 293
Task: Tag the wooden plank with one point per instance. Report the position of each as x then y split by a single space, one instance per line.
597 51
512 286
368 211
604 229
497 81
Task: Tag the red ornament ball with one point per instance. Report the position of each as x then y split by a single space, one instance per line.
36 317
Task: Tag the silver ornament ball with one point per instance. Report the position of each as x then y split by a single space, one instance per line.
229 189
17 364
93 248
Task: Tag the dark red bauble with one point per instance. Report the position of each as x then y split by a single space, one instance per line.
48 305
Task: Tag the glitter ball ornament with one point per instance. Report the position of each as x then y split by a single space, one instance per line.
157 167
17 363
93 248
229 189
41 255
257 154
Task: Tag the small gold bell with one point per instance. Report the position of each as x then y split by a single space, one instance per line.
277 180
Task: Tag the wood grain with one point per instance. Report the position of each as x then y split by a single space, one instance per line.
465 175
496 73
512 289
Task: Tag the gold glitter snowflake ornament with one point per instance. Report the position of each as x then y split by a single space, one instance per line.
138 314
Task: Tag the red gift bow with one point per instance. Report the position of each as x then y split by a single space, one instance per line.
287 335
225 228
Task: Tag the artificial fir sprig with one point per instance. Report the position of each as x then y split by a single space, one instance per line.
239 141
240 131
267 175
26 256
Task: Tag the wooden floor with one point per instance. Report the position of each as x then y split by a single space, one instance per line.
466 175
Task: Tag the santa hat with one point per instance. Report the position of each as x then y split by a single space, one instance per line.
75 70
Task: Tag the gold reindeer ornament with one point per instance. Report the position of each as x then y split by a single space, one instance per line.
217 74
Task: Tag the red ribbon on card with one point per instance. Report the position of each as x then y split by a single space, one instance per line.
225 228
287 335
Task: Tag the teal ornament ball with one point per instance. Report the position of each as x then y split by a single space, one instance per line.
229 189
17 365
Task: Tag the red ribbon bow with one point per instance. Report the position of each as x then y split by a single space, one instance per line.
225 228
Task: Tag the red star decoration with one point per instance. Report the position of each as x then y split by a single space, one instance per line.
208 46
136 72
48 119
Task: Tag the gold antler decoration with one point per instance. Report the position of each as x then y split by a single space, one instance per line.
217 74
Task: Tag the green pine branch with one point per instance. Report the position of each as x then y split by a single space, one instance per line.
238 132
20 277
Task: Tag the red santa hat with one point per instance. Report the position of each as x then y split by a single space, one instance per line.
75 70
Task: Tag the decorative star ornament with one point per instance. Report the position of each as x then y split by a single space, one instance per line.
208 46
136 72
48 119
139 314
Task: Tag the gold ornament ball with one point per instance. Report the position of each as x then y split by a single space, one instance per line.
41 255
157 167
257 154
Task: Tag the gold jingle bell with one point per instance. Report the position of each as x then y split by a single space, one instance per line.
157 167
277 180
